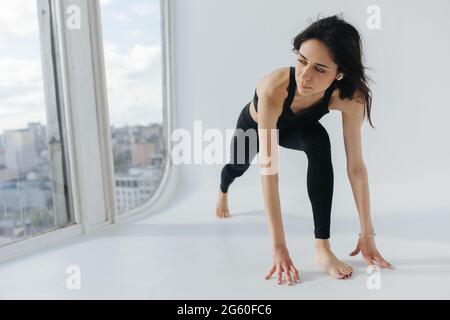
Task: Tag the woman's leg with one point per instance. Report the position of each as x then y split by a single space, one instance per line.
244 147
315 142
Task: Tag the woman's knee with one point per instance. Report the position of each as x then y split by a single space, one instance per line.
236 170
317 141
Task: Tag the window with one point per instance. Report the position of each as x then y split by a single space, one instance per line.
33 193
133 61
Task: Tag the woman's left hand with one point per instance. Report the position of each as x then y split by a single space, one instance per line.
370 253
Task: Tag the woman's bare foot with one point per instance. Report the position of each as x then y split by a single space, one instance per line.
222 206
326 259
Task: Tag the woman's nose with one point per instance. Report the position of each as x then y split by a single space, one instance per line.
305 75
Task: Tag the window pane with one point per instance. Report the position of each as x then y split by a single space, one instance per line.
132 46
32 189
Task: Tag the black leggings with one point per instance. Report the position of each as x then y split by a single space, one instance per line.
313 139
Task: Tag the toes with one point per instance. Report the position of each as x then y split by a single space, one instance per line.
342 273
345 272
224 214
346 269
338 274
344 276
348 272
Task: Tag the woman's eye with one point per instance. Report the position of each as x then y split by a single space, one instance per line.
303 62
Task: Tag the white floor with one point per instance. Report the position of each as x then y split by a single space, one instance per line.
186 253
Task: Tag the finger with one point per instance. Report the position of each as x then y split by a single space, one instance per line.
296 275
373 264
377 260
271 272
382 262
354 252
374 267
385 263
368 260
280 274
288 275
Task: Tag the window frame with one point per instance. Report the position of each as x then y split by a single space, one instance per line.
71 136
46 19
170 173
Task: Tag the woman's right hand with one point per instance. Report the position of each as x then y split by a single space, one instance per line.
282 263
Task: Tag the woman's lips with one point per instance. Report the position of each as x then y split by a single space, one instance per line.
305 87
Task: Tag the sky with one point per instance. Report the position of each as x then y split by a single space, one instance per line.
132 46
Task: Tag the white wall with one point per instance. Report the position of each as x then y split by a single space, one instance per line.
223 47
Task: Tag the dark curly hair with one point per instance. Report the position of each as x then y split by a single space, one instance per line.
344 43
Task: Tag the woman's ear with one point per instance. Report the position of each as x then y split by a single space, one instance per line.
340 76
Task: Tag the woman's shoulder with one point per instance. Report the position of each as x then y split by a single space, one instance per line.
273 85
346 104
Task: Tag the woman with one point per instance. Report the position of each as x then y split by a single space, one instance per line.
328 75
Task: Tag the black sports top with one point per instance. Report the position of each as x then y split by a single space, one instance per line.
311 114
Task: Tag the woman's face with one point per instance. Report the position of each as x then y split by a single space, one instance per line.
314 68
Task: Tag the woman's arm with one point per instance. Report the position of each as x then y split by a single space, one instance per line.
268 113
352 118
273 209
360 188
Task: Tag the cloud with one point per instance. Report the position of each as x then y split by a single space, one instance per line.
133 81
133 74
105 3
134 84
119 17
18 18
21 93
14 72
21 83
146 9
